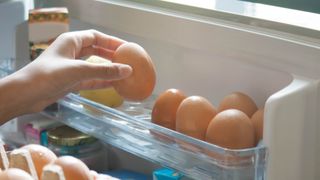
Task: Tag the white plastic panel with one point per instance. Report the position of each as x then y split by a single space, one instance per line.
290 130
12 13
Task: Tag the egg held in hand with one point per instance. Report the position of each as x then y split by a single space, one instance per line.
240 101
193 116
257 121
140 84
165 108
231 129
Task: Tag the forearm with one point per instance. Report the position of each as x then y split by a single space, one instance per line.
13 97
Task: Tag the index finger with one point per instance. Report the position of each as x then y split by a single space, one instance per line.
96 38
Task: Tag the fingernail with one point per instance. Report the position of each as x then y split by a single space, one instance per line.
125 70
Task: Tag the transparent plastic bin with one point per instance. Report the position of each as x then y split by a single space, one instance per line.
129 128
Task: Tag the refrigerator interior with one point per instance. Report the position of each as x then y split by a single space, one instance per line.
211 60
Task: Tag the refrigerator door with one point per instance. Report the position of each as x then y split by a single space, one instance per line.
212 58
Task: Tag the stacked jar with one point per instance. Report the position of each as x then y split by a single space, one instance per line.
64 140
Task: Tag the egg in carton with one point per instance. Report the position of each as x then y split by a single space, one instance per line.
33 162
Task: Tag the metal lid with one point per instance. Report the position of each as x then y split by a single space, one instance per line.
67 136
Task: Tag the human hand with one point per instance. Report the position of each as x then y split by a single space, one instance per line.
59 70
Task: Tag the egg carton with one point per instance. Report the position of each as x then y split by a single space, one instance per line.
33 162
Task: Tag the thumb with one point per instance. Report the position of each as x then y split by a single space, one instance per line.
110 71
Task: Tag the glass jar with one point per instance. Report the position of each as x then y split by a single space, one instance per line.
64 140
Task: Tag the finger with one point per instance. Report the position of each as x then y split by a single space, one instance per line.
92 50
112 71
107 41
91 84
93 37
72 43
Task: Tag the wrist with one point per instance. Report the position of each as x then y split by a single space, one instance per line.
13 97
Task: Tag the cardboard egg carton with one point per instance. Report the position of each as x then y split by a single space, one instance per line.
4 162
21 159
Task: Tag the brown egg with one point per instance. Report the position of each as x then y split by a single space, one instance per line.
15 174
231 129
165 108
240 101
73 168
257 120
40 155
194 115
140 84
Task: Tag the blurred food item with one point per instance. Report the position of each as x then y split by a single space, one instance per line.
139 85
231 129
15 174
194 115
44 25
165 108
37 48
4 162
106 96
257 121
21 159
64 140
73 168
240 101
41 156
52 172
35 131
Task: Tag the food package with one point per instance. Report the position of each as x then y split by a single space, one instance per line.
44 25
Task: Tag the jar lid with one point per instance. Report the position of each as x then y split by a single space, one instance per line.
67 136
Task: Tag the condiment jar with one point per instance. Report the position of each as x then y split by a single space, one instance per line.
64 140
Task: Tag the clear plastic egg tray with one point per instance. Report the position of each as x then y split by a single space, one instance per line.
128 127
